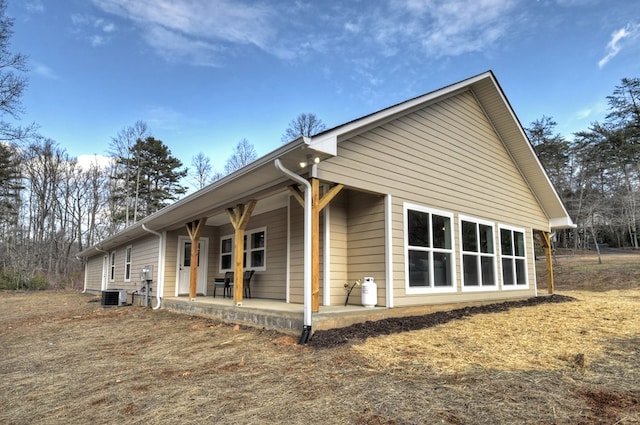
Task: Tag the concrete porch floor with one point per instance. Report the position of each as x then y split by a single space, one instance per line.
273 314
288 317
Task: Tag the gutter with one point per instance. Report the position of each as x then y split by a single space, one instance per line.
306 329
160 271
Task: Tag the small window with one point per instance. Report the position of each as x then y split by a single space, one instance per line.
256 250
513 258
429 250
478 253
254 255
127 264
112 266
226 253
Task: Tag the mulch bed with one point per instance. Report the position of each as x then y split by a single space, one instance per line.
360 331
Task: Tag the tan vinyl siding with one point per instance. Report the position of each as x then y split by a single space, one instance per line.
296 252
446 156
338 216
171 261
271 282
143 252
95 272
366 239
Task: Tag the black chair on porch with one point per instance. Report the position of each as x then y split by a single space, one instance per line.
246 282
226 283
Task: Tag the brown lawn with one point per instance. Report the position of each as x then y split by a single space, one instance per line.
66 360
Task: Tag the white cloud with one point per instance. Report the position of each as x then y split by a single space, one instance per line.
592 112
93 29
174 46
619 39
44 71
87 161
205 32
163 118
34 6
201 26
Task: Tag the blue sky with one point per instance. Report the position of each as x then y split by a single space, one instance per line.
204 74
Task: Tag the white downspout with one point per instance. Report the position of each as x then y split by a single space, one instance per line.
106 253
306 331
160 271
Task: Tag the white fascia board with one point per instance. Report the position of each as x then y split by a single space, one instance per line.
562 223
324 143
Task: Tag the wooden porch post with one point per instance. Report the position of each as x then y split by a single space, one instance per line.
194 229
239 218
317 205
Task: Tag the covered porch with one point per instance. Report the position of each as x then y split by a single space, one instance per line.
288 318
273 314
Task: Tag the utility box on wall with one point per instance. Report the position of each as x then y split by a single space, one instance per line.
147 274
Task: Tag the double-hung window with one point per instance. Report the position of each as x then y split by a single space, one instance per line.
254 255
112 266
478 253
127 264
226 253
429 250
513 258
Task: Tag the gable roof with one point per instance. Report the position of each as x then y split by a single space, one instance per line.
497 108
261 178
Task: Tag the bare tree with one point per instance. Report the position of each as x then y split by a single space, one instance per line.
13 82
243 154
121 147
201 170
303 125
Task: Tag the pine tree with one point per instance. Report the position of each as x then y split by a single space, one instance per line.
151 175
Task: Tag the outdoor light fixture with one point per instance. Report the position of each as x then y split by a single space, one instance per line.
310 160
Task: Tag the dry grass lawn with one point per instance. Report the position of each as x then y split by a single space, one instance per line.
66 360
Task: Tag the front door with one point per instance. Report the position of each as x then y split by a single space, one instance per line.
184 266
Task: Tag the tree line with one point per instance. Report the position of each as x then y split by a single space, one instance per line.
52 207
597 173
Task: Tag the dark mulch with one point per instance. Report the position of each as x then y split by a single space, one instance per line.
360 331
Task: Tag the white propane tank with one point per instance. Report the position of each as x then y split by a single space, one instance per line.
369 292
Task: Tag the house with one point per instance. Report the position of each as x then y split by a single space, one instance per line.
438 199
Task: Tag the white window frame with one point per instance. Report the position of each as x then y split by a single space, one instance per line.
513 258
247 251
229 254
411 290
478 254
128 254
112 266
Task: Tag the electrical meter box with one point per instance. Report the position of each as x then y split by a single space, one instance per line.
147 273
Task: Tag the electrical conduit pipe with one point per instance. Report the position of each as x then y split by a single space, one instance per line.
306 329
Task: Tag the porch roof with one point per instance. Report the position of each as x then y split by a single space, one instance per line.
261 179
257 180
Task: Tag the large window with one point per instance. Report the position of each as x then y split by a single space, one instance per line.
255 250
513 258
112 266
478 253
127 264
429 250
